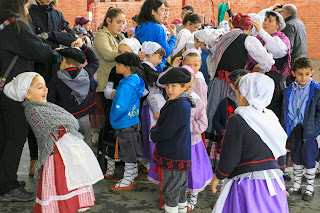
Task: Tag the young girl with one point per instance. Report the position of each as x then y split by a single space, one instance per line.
201 173
252 153
154 100
107 142
68 167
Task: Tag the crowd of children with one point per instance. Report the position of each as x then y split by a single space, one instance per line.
171 119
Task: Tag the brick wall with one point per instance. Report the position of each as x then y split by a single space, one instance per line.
308 12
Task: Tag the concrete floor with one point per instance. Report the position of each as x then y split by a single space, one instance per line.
143 198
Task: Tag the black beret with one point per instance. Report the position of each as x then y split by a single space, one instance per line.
73 53
234 75
176 75
128 59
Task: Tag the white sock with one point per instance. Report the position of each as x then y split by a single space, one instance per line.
169 209
297 175
128 175
310 175
192 202
182 207
111 167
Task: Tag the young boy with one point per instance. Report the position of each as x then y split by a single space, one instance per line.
69 89
173 139
124 117
301 120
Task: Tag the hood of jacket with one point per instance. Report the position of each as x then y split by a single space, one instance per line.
135 81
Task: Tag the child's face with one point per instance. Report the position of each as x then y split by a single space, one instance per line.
130 34
174 90
194 62
37 91
193 27
303 75
155 59
199 44
123 48
122 69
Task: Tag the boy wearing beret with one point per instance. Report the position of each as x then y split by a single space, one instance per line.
124 118
172 136
69 89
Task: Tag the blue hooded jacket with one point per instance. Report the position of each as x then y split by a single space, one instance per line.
311 122
126 103
150 31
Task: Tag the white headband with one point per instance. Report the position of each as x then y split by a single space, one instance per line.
19 86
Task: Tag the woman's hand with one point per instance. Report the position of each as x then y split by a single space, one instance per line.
172 29
76 44
214 183
141 55
176 61
229 6
257 25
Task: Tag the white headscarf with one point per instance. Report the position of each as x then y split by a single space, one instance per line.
149 47
258 90
207 36
133 43
256 17
19 86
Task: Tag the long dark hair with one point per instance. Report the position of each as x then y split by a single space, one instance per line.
15 9
145 14
111 13
194 18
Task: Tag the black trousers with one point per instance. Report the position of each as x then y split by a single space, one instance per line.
13 133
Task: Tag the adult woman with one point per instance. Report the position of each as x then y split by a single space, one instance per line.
276 43
106 44
17 39
252 153
86 24
150 29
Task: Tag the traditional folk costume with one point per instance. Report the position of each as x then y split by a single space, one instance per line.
301 120
107 141
66 164
172 136
152 104
252 154
124 118
228 53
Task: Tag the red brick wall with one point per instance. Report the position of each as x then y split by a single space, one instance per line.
308 12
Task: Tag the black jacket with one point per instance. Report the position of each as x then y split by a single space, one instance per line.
26 45
60 94
47 19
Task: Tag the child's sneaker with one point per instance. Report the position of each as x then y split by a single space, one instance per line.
308 195
294 191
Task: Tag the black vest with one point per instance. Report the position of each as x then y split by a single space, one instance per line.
235 56
279 62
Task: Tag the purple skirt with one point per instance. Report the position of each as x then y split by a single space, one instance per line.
200 174
148 146
248 195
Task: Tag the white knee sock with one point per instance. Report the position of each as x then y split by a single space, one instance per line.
169 209
111 167
310 175
128 175
297 175
192 201
182 207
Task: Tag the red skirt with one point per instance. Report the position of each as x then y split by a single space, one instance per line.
53 194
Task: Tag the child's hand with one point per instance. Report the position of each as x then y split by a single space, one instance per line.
76 44
176 61
112 94
156 116
214 183
141 55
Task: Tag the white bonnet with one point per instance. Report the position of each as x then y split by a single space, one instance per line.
133 43
149 47
19 86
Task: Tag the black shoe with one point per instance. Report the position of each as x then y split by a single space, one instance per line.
287 177
294 191
307 196
18 194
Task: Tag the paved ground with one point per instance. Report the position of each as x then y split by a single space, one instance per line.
143 198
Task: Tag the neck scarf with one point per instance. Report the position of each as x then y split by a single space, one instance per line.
44 119
79 85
